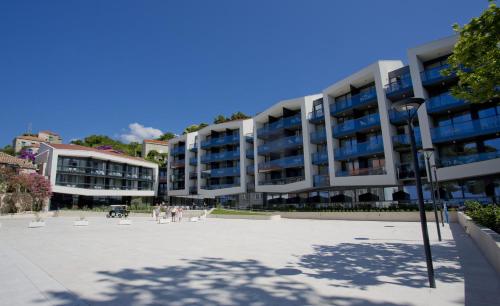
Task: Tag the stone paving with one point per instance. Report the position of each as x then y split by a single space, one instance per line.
238 262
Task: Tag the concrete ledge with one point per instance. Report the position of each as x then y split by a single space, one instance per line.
401 216
486 239
247 217
81 223
34 224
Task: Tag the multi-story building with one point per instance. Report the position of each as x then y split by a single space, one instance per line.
182 161
31 142
89 177
349 144
16 164
149 145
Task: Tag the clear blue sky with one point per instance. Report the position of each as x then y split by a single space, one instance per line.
94 67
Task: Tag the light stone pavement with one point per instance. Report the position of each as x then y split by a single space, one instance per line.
238 262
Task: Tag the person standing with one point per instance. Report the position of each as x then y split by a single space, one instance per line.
173 212
180 210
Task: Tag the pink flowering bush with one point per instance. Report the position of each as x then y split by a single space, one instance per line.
36 185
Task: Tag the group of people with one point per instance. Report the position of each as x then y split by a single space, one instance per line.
173 212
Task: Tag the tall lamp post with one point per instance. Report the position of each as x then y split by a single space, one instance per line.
410 107
428 153
438 194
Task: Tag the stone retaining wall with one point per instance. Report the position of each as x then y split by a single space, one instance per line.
402 216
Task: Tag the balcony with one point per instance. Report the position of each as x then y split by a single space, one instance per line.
467 159
220 141
276 127
249 138
468 129
361 171
356 101
251 169
178 164
318 136
282 181
356 125
222 156
317 116
407 171
193 148
249 153
282 163
433 76
403 140
193 190
399 89
193 175
222 172
291 142
400 117
360 149
178 151
320 158
321 180
193 161
221 186
443 103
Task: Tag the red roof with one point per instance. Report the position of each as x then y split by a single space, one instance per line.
160 142
83 148
49 132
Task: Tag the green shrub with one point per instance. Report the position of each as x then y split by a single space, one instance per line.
485 215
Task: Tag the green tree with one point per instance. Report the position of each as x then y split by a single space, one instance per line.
8 149
194 127
239 116
157 157
220 119
476 58
166 136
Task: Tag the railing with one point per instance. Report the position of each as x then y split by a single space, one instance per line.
467 159
282 181
402 85
99 186
249 138
321 180
320 157
287 162
220 141
227 155
472 128
222 172
249 153
355 125
193 175
178 151
316 116
407 170
277 126
89 171
443 102
403 140
318 136
361 171
360 149
355 101
433 75
178 163
251 169
400 117
193 161
280 144
193 147
220 186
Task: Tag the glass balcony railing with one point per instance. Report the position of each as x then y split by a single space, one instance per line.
277 126
432 76
361 171
407 171
222 172
467 159
318 136
251 169
467 129
400 117
227 155
316 116
403 140
193 148
443 102
193 175
178 163
220 141
320 158
321 180
360 149
249 153
361 99
280 144
178 151
400 87
221 186
193 161
249 138
282 163
282 181
356 125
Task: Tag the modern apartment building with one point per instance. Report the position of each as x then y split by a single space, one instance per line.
91 177
349 144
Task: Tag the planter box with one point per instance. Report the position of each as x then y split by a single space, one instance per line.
246 217
125 222
163 221
194 219
81 223
34 224
486 239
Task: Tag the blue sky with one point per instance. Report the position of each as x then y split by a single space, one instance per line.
95 67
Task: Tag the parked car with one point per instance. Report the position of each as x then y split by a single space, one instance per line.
118 211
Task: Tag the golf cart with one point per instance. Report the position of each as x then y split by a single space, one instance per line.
117 211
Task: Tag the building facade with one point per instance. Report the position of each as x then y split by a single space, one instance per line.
31 142
90 177
149 145
348 145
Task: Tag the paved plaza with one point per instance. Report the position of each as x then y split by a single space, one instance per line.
238 262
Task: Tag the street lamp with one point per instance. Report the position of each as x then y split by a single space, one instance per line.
410 107
428 153
434 167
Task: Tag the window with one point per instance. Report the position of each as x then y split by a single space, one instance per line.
492 145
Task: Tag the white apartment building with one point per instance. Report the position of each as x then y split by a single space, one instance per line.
90 177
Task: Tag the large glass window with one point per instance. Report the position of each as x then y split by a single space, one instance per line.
474 189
